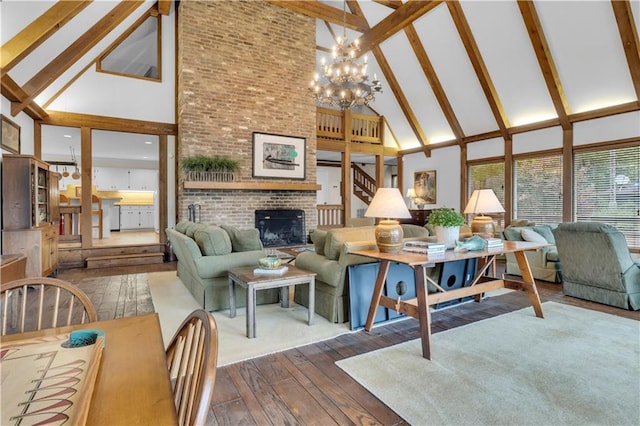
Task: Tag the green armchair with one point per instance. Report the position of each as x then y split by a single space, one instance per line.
597 264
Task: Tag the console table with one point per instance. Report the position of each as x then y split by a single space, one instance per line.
419 307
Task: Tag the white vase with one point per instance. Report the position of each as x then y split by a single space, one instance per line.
447 235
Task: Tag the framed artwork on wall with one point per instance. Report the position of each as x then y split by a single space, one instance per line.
10 136
278 156
424 183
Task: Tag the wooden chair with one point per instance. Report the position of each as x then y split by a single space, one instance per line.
32 304
96 210
192 358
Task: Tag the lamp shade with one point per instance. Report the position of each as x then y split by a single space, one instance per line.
411 193
483 201
388 203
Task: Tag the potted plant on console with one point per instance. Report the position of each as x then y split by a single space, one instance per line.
214 169
447 223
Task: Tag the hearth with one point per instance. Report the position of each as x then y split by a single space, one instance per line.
281 227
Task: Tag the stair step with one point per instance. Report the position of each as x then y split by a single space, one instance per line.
124 260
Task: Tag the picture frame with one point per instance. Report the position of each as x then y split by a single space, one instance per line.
279 156
10 135
424 184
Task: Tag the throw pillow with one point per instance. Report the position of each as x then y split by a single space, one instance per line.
192 227
243 239
213 241
318 238
545 231
532 236
181 226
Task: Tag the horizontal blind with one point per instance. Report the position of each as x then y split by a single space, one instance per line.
538 188
607 189
488 176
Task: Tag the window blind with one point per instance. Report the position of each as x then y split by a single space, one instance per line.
487 176
607 189
537 188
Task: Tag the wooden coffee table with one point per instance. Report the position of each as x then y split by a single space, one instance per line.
245 277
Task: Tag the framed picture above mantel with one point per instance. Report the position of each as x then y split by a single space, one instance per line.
279 156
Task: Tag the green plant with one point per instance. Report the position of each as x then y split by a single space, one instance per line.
445 217
204 163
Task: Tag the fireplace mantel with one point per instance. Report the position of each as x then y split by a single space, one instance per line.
256 186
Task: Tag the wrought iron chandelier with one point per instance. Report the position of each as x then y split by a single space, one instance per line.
346 83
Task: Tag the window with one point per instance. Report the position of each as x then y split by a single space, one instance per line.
488 176
607 188
537 185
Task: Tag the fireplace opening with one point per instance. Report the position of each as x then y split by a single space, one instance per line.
281 227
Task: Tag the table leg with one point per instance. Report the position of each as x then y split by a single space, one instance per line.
377 292
251 311
232 298
284 297
312 299
424 314
529 284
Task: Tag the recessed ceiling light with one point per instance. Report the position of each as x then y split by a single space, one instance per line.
67 136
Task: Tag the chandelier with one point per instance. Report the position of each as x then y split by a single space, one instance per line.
345 82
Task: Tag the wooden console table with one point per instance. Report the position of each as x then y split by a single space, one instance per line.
419 307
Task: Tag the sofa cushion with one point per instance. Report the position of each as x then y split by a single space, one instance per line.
552 255
213 241
513 233
319 238
181 226
545 231
532 236
243 239
192 227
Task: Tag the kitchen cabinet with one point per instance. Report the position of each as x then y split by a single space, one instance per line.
121 179
136 217
143 179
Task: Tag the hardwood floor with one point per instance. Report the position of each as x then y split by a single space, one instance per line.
304 386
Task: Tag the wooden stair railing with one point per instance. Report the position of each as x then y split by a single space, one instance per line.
364 186
330 216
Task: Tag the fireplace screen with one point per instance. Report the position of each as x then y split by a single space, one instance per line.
281 228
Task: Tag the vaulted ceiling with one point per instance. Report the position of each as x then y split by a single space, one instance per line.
452 72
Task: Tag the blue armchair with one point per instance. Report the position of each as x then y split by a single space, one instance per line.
597 264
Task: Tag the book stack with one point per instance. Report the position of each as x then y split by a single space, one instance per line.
430 249
436 249
494 243
279 271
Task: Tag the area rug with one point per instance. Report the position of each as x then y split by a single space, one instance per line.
575 366
277 329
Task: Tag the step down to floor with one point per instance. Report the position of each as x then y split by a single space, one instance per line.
124 260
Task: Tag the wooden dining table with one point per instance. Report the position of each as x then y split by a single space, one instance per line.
132 385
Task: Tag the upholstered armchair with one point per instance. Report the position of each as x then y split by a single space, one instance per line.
597 264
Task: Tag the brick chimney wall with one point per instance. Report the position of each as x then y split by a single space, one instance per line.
243 67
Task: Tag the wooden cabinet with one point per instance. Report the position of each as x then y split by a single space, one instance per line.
136 217
418 217
30 212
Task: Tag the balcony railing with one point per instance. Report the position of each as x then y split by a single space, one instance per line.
330 124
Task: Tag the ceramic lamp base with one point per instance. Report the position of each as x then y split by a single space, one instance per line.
389 236
482 225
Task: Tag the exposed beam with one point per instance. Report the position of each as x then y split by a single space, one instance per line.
75 51
605 112
545 60
629 38
14 93
475 57
434 81
396 21
318 10
164 7
34 34
70 119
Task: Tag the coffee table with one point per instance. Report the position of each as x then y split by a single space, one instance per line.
245 277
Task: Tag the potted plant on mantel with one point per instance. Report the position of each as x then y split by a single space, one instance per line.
447 223
211 169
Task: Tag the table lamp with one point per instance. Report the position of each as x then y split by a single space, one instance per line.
411 195
388 204
483 201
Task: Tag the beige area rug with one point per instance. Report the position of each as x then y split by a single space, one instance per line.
277 329
574 367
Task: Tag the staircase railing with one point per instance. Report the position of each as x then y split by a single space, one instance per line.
364 186
330 215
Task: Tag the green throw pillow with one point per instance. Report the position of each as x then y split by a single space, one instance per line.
545 231
192 227
318 238
181 226
213 241
243 239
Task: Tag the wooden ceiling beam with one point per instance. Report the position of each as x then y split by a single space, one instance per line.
13 92
318 10
434 81
479 66
396 21
34 34
75 51
545 60
164 7
629 38
70 119
605 112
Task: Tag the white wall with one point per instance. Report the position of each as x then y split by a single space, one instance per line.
446 163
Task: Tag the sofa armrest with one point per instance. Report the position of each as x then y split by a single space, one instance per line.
328 271
218 266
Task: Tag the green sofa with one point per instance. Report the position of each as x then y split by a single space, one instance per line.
206 253
330 260
544 263
597 264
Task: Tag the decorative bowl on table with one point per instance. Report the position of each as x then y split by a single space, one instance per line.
271 262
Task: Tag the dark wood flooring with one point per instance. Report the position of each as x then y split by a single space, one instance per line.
304 386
